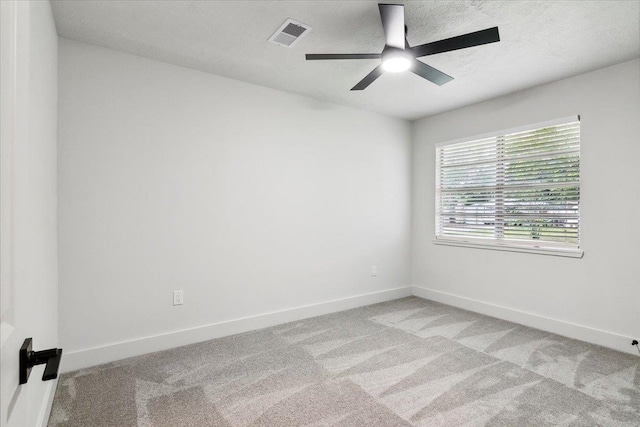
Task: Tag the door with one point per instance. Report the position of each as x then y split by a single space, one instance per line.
28 264
14 402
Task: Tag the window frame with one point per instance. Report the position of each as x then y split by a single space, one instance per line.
526 246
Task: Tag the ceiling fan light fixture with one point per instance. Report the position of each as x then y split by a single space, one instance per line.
396 65
396 61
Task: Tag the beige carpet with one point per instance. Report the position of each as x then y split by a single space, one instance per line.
408 362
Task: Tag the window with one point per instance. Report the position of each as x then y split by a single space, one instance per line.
518 190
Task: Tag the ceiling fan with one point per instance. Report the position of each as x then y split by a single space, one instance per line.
398 56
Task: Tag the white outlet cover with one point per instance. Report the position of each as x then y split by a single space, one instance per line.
178 297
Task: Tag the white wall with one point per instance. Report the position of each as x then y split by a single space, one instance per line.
28 204
600 293
250 199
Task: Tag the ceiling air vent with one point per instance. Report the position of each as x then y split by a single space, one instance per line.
289 33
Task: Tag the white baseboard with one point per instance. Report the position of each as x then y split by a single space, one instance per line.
98 355
560 327
47 403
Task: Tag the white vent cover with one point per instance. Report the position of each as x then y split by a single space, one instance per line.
289 33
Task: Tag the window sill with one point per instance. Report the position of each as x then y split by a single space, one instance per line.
570 253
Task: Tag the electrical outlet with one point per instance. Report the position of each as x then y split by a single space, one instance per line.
374 270
178 297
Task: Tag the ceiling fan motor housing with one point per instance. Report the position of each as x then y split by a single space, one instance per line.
393 52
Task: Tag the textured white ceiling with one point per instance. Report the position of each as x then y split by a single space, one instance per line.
541 41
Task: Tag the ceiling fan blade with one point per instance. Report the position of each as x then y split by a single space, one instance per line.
320 56
392 16
490 35
369 78
429 73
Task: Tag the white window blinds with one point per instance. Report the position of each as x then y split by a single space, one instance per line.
520 188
